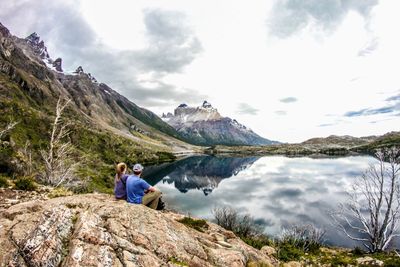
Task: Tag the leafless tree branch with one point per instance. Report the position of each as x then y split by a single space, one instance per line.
372 213
58 163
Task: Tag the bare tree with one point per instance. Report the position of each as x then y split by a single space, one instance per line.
58 163
372 213
8 128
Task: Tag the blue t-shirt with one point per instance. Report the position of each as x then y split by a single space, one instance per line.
135 187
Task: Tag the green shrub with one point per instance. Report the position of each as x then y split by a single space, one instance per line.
357 251
177 262
256 241
60 192
288 252
3 182
25 183
341 260
199 225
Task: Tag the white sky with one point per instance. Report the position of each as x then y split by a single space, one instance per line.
242 61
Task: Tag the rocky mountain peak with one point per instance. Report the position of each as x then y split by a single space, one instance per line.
183 105
4 31
57 64
204 125
38 45
79 70
206 104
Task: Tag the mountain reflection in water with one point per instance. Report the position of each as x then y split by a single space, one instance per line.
276 191
199 172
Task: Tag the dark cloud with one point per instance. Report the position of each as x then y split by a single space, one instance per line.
290 99
368 112
394 98
289 16
287 193
172 45
244 108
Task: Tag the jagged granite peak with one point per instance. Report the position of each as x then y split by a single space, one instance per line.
167 116
183 105
79 70
204 125
206 104
38 45
4 31
57 64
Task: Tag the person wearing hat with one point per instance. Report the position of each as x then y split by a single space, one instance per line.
139 191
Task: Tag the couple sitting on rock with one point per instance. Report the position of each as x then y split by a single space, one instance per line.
134 189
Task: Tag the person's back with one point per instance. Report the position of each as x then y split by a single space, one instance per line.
135 187
140 192
120 181
120 187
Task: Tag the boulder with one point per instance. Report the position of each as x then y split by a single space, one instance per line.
368 261
267 250
96 230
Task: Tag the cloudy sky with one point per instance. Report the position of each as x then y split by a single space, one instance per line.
288 69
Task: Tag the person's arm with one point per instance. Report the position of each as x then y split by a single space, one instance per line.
148 188
151 189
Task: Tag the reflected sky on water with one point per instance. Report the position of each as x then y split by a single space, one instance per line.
277 191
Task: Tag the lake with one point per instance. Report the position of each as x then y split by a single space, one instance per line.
277 191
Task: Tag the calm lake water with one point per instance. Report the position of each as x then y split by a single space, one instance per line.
277 191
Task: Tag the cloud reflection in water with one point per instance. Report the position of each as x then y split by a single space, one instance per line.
277 191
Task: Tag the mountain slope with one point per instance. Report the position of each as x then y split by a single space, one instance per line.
105 126
205 126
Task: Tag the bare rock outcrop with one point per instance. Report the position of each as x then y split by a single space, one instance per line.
95 230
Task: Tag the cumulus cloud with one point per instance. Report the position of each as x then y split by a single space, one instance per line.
290 99
171 46
244 108
290 16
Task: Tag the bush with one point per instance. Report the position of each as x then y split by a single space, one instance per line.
289 252
257 241
241 225
305 237
60 192
3 182
199 225
26 183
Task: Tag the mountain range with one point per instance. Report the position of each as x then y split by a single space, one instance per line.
105 127
204 125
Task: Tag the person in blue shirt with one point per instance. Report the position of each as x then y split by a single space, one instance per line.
138 191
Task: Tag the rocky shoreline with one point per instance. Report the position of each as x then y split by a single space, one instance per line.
96 230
